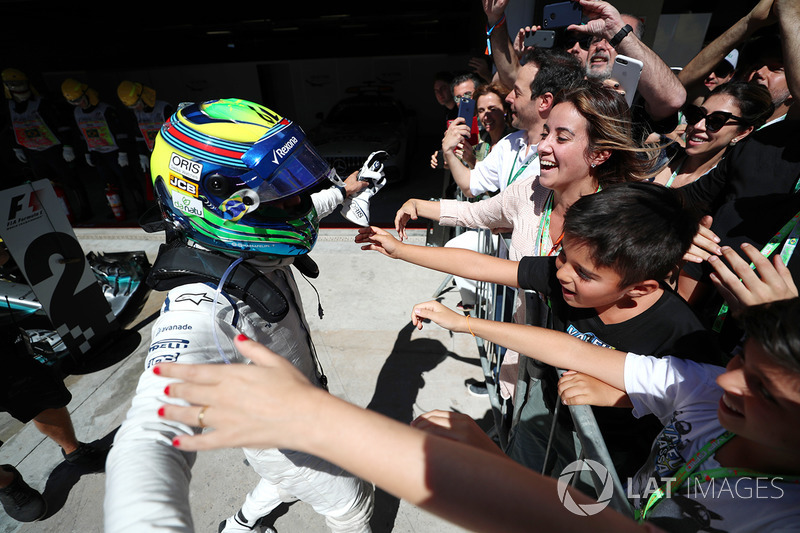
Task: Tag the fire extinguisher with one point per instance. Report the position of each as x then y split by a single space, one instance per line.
114 200
62 197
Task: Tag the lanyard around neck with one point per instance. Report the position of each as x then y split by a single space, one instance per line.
683 473
688 471
544 230
513 177
788 235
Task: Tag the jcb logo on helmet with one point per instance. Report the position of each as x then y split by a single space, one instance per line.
181 165
183 185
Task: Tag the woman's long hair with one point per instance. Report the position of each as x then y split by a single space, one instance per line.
610 128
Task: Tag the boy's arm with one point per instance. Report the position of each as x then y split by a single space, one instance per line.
551 347
457 261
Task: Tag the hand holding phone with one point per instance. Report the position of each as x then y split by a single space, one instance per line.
626 71
466 110
541 39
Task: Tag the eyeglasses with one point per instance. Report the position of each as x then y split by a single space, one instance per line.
464 96
583 42
714 121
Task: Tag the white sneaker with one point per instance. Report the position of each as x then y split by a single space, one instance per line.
239 524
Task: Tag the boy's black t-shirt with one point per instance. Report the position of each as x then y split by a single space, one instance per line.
668 327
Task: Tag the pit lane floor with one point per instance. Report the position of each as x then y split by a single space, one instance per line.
368 349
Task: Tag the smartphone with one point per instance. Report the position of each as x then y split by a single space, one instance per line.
561 15
541 39
626 71
466 109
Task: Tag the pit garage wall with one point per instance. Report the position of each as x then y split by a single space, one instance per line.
304 90
301 90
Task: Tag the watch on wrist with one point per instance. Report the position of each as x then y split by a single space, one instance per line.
621 34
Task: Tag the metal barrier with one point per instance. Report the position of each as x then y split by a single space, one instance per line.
496 303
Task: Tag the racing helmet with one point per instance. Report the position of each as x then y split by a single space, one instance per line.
234 176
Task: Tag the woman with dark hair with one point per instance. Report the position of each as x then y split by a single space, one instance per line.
728 115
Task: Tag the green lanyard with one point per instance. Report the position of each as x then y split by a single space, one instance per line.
683 473
790 231
688 472
674 174
544 229
513 177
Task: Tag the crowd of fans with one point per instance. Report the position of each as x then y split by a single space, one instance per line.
665 227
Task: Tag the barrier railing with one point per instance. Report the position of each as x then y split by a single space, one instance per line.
496 303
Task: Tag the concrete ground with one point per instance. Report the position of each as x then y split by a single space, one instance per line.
366 345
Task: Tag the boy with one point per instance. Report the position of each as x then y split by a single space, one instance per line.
605 287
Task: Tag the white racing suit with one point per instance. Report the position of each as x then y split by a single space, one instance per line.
147 479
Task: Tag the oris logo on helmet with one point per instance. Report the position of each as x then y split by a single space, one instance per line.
181 165
183 185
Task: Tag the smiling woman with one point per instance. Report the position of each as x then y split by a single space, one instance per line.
728 115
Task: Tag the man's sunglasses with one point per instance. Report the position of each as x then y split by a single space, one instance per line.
723 69
714 121
583 42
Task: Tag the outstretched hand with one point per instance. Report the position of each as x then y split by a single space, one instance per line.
742 286
261 405
373 238
407 211
456 426
439 314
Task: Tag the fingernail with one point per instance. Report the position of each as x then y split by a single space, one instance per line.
160 411
176 442
166 390
157 370
242 337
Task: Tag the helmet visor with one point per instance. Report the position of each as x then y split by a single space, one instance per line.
290 163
